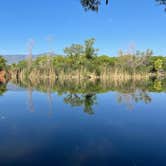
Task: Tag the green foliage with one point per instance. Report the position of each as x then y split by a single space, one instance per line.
3 88
22 64
90 51
75 50
2 63
153 60
85 100
158 64
83 93
158 85
82 61
137 62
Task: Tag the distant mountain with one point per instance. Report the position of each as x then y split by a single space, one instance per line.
16 58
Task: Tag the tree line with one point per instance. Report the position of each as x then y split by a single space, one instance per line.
83 61
84 93
2 63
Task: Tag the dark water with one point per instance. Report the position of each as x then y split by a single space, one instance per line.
90 124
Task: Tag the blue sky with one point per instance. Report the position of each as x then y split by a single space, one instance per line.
123 23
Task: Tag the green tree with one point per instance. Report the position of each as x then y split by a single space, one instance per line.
158 64
90 51
75 50
2 63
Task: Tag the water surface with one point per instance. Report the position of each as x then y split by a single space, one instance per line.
92 123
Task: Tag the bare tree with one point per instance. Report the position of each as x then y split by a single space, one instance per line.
50 39
50 101
30 99
29 57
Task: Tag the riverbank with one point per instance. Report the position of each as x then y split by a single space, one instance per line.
75 85
35 76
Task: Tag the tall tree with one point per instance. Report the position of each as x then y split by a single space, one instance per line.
2 63
29 57
75 50
90 51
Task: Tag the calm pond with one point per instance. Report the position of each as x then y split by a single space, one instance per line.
88 123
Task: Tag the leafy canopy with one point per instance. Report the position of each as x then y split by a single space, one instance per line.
2 63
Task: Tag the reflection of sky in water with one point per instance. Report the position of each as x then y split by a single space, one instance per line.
64 134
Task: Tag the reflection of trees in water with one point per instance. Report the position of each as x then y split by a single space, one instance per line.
131 98
85 100
3 88
158 85
89 101
50 100
30 99
83 93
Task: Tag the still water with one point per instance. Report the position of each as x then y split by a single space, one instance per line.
83 124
